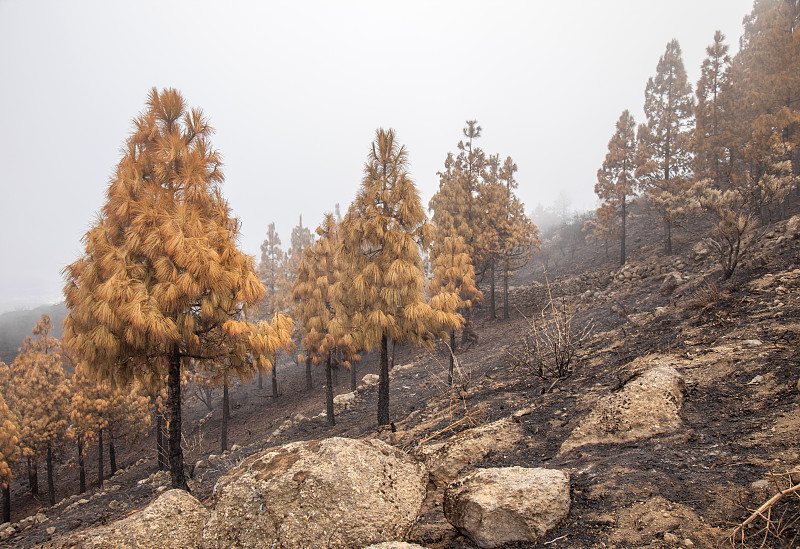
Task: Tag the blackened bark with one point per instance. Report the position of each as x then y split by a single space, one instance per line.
51 486
309 384
452 356
33 477
174 402
6 503
505 290
622 257
100 458
329 392
81 467
275 378
160 450
112 452
492 313
226 414
383 384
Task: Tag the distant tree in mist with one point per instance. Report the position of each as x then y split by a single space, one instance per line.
664 159
616 182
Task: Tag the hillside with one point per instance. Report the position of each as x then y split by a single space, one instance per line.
736 345
16 325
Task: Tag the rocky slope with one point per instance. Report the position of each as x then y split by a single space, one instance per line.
681 403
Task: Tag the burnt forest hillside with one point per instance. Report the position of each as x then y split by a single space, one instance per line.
734 343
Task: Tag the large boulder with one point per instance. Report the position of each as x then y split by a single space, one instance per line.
176 520
646 406
445 461
493 507
336 492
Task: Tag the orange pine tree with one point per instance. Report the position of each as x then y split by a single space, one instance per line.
162 280
9 450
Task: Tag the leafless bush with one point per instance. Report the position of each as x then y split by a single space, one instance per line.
550 344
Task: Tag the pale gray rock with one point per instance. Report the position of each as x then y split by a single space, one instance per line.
496 506
395 545
334 493
445 461
648 405
176 520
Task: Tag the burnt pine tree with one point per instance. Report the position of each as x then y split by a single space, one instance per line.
382 234
616 181
664 142
9 451
161 280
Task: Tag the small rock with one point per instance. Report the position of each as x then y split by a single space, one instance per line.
235 448
688 543
39 518
201 464
752 343
370 379
763 484
669 537
757 379
51 530
161 488
116 505
73 524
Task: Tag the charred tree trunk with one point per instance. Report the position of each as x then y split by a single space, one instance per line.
275 378
160 450
100 472
383 384
33 477
331 421
81 467
492 313
452 356
6 502
309 384
352 375
174 399
112 452
51 486
226 414
667 237
506 313
394 349
622 257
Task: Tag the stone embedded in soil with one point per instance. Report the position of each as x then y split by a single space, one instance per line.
335 492
648 405
176 520
445 461
493 507
395 545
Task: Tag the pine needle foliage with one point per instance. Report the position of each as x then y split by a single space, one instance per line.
382 236
616 182
9 450
161 280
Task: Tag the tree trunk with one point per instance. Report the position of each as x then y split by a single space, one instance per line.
100 458
383 384
51 486
33 477
226 411
6 502
329 392
309 384
505 291
275 378
492 314
160 450
174 400
622 239
667 237
335 370
112 452
352 375
394 348
452 356
81 467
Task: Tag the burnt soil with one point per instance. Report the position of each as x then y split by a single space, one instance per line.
738 342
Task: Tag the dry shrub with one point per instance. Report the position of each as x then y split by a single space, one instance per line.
707 294
549 345
776 522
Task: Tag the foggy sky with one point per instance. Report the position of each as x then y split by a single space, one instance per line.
296 90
